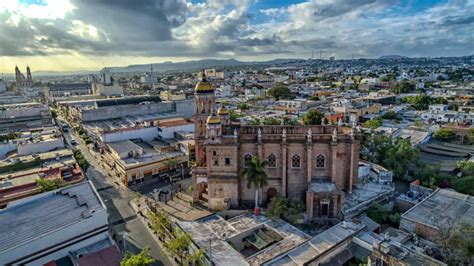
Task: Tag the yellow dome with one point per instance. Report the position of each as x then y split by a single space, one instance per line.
222 111
203 86
213 119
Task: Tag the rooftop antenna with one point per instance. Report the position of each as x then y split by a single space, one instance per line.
151 68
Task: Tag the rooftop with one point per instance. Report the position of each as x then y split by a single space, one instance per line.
219 232
441 207
318 245
35 217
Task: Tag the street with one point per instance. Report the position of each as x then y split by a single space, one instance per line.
122 218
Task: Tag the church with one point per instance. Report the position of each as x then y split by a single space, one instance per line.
315 164
21 80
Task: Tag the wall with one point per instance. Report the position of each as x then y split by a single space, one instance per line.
168 132
110 112
147 134
6 148
184 107
41 146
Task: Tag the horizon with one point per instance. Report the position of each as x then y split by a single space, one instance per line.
76 35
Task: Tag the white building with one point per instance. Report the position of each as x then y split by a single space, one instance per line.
51 225
3 86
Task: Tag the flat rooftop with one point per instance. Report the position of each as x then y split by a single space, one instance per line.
30 219
318 245
441 207
363 194
217 231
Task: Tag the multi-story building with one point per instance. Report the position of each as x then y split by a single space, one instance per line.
310 163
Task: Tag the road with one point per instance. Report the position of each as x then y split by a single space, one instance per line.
122 218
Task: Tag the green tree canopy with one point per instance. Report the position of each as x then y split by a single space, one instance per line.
280 92
466 167
445 134
49 184
374 123
313 117
255 175
141 259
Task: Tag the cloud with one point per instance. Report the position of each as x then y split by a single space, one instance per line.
227 28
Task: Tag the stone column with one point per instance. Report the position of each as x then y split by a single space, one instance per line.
309 162
283 170
333 162
334 206
309 205
352 169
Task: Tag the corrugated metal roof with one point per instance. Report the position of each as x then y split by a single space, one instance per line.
127 100
37 216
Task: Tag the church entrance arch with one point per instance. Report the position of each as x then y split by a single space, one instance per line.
271 192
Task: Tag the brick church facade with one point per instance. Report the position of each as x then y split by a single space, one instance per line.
315 164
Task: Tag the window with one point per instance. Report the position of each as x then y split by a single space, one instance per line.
214 153
247 159
271 160
320 161
296 161
227 161
216 161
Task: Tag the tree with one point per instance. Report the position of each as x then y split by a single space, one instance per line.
290 122
255 175
464 185
404 87
160 224
178 246
466 167
49 184
314 98
445 134
457 242
313 117
390 115
141 259
271 121
374 123
280 92
290 211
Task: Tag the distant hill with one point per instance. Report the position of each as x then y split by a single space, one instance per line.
393 56
196 64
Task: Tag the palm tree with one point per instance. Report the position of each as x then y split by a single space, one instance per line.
256 176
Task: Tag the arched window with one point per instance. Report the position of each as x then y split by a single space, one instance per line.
296 161
271 161
320 161
247 159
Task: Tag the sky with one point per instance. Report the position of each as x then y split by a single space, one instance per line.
72 35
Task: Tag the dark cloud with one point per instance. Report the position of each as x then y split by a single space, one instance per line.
137 20
456 21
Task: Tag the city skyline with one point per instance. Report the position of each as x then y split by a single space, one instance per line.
72 35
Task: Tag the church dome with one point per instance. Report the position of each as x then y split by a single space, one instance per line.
213 119
222 111
203 86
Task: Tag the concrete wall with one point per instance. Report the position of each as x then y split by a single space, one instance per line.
23 111
41 146
185 107
147 134
110 112
168 132
6 148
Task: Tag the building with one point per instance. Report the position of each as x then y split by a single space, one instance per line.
19 174
18 117
308 163
48 227
3 86
21 80
144 161
106 86
52 91
440 210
